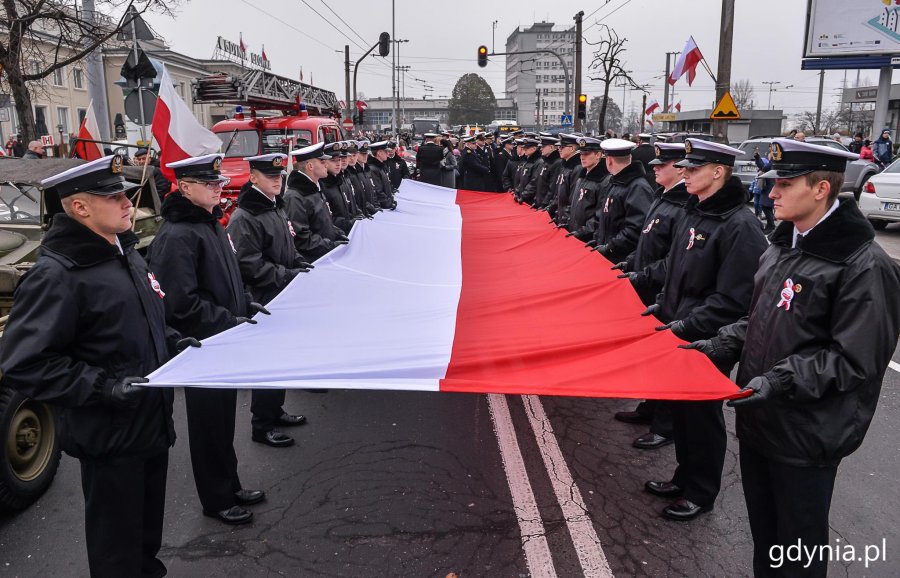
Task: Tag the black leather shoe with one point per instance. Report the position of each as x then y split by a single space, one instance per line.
651 441
273 438
249 497
234 515
683 510
291 420
664 489
633 417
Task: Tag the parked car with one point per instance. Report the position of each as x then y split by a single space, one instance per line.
880 198
858 171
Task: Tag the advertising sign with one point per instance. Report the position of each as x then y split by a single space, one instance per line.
851 28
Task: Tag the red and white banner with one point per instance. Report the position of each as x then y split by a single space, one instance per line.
455 291
687 62
651 106
176 131
89 151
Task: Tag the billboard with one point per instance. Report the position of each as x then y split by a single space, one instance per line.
852 28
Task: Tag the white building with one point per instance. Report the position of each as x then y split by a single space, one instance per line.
537 81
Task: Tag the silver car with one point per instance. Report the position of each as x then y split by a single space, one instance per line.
858 171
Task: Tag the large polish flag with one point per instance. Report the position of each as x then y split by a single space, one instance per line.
89 131
687 62
176 130
455 291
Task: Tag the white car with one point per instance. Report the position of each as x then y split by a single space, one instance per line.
879 200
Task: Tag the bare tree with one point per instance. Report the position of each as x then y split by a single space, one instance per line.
743 94
830 121
42 36
608 67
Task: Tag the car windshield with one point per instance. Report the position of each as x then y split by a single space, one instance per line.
239 143
18 205
245 143
285 140
753 146
894 167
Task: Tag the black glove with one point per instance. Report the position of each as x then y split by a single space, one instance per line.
570 234
652 310
621 266
762 389
632 276
677 328
246 320
602 249
393 205
341 241
125 394
591 243
712 348
305 265
258 308
186 342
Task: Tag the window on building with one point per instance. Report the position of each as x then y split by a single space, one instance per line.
40 120
62 118
34 67
58 79
78 78
82 112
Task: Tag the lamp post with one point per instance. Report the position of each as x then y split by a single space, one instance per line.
771 84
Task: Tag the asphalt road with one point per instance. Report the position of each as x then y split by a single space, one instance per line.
422 485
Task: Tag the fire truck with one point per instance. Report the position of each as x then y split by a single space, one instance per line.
273 114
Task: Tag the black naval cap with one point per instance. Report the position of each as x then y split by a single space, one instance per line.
792 158
204 168
141 152
666 152
316 151
270 164
100 177
703 152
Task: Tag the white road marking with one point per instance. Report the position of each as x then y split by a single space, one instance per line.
584 537
534 537
894 365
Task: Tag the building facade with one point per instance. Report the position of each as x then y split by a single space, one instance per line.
537 82
378 114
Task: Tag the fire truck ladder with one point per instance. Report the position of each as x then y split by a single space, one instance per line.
263 90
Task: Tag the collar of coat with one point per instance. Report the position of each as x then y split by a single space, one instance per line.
302 183
533 157
255 202
81 246
598 173
332 181
177 208
633 171
835 239
677 195
552 157
376 162
730 198
573 161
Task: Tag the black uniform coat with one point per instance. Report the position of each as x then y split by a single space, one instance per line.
474 170
84 317
397 170
357 179
339 201
501 160
368 184
264 239
196 263
569 172
384 191
827 352
428 162
649 259
546 184
526 187
646 152
305 206
588 194
510 175
714 254
621 216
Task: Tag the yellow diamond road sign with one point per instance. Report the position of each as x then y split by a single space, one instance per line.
725 110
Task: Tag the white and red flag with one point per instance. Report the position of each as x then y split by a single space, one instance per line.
678 106
176 131
651 106
243 46
473 293
361 105
89 131
688 60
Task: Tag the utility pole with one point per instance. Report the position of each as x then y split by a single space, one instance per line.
643 111
819 104
394 67
882 100
723 74
578 20
771 83
493 31
347 104
95 76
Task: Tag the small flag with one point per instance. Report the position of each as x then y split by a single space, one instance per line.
651 106
301 74
264 57
89 130
243 46
678 106
361 105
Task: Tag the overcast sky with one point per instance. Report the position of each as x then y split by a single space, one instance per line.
443 38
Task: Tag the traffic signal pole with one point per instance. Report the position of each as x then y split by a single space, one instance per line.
544 51
578 121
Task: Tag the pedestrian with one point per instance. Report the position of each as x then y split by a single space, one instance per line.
448 164
856 144
428 159
196 263
709 283
865 151
800 136
263 239
10 146
142 157
645 268
35 150
589 191
822 328
88 322
883 149
18 147
628 197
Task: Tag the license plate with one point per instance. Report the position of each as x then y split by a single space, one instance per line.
892 206
748 169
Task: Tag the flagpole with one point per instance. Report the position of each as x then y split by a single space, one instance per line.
137 198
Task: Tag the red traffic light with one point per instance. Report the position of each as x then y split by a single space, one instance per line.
482 56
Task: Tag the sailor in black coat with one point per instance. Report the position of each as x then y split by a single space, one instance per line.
338 199
472 166
194 259
88 322
357 180
621 217
428 159
551 162
589 191
263 237
645 153
384 190
822 327
396 165
526 182
709 282
569 172
503 157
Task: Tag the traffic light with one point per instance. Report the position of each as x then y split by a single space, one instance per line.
384 44
482 56
582 106
360 117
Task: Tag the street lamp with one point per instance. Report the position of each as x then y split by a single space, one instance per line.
59 147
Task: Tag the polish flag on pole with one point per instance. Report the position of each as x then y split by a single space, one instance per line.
649 120
243 46
651 106
361 105
687 62
176 130
468 287
89 151
678 106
